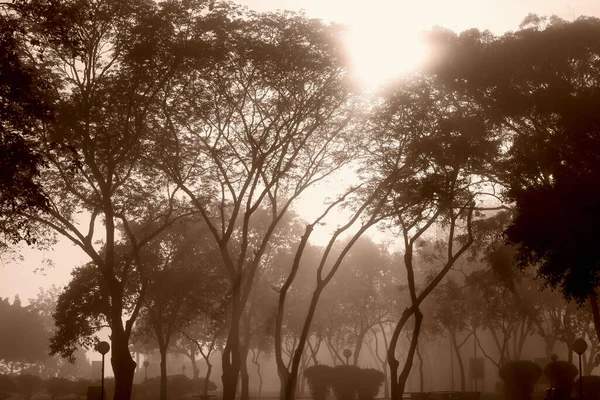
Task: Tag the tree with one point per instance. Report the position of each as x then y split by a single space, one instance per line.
254 132
546 103
452 315
22 337
185 283
206 335
508 313
26 101
105 62
359 293
437 147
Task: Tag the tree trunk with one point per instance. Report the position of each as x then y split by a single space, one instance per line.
163 372
398 382
258 372
549 346
358 346
207 376
195 369
595 313
122 363
461 366
231 353
421 380
245 377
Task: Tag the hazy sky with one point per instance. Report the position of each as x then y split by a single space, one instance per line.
383 41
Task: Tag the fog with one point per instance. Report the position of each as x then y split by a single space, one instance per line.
202 200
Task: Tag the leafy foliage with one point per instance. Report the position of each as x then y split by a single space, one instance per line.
23 339
519 378
25 104
561 375
319 380
591 387
348 382
81 310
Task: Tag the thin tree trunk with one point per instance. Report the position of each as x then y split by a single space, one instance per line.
163 372
195 369
461 366
255 356
421 380
358 346
245 377
595 313
230 358
382 363
399 385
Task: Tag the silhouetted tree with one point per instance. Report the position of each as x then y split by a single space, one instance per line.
451 312
26 102
23 339
185 283
436 148
264 125
45 305
104 63
539 86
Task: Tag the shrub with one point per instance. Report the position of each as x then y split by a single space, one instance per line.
519 378
370 383
198 385
178 386
58 387
561 375
80 387
345 381
591 387
319 380
7 386
27 385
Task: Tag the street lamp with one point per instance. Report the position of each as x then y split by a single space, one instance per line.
146 363
347 353
102 348
579 347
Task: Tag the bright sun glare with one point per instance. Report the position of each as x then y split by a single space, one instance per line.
381 52
385 45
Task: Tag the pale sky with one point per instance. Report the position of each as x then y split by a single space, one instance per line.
384 42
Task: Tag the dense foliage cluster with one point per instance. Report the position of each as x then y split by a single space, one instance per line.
347 382
519 378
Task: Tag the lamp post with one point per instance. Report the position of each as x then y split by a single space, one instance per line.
146 363
102 348
347 353
579 347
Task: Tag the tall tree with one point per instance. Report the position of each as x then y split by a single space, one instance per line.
438 147
26 102
263 125
185 283
452 314
23 339
539 85
105 62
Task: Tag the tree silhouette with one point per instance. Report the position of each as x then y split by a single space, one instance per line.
104 63
23 338
26 102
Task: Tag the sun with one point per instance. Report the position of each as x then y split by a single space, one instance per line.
381 50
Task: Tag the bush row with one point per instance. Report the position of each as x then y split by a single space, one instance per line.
520 377
27 385
346 381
